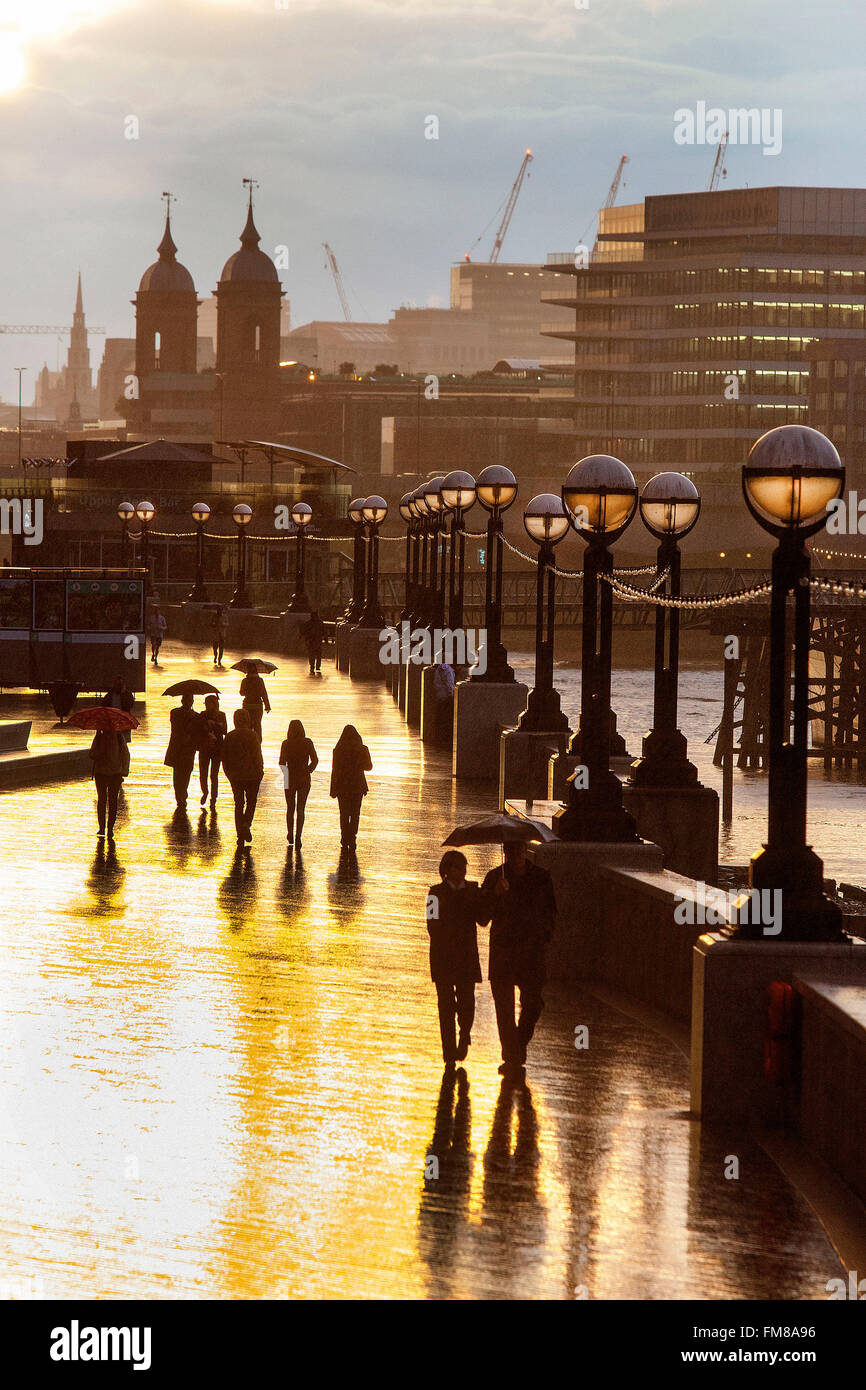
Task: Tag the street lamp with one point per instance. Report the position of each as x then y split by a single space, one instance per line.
422 512
458 495
670 505
200 514
792 474
600 496
375 511
242 515
126 511
433 498
546 522
356 602
408 515
145 511
496 489
302 516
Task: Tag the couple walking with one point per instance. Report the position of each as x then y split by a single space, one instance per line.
299 760
517 900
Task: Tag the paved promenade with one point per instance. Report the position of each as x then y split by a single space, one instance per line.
221 1074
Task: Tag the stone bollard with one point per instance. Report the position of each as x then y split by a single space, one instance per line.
684 821
412 707
524 760
365 650
482 710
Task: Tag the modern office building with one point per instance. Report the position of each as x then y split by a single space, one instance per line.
694 325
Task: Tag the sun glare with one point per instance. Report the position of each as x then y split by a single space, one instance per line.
26 23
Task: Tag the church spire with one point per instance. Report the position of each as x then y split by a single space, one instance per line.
249 236
79 301
167 249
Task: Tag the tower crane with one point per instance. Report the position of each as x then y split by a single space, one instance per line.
510 205
614 188
338 281
719 170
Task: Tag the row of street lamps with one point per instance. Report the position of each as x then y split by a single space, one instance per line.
792 474
242 515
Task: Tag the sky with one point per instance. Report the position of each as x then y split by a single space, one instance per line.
326 103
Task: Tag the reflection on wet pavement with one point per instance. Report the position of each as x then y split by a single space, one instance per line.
221 1073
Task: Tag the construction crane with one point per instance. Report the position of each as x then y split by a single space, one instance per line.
719 170
50 329
614 188
338 281
510 204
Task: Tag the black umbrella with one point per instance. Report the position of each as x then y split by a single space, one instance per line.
193 686
253 663
500 830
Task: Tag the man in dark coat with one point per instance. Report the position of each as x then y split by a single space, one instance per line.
183 744
243 766
453 908
518 901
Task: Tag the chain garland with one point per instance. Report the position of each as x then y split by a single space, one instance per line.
839 586
633 595
839 554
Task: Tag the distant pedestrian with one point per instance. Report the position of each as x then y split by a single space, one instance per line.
110 755
519 903
156 626
255 698
348 784
183 744
453 909
219 624
299 760
214 730
243 766
443 695
313 632
119 696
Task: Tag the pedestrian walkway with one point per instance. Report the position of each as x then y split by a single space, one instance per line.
221 1074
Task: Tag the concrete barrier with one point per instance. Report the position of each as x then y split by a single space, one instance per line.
831 1110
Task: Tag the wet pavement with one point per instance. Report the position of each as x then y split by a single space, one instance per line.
221 1075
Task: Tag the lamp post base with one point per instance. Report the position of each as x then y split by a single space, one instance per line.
542 714
663 762
807 914
616 749
595 811
497 671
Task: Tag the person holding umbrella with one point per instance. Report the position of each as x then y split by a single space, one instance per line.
183 744
109 755
453 910
253 690
518 902
120 697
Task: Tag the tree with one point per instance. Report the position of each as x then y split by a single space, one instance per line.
346 369
387 369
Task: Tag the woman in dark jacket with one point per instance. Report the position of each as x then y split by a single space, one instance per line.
348 784
186 738
110 755
214 729
453 909
298 759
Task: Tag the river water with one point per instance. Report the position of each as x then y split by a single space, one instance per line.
837 801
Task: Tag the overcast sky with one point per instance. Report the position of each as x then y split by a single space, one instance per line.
324 102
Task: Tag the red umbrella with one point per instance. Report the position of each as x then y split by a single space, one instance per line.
103 717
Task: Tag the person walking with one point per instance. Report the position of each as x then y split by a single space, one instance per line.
299 760
518 901
110 757
210 750
119 696
350 761
443 695
243 766
453 909
156 626
313 632
183 744
219 625
255 698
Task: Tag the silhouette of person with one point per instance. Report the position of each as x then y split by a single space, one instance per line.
313 632
453 908
110 757
243 766
183 744
120 697
210 752
519 903
255 697
218 628
351 760
299 760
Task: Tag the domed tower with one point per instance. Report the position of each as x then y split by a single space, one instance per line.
166 311
249 295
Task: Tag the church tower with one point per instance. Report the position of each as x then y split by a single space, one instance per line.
249 295
166 311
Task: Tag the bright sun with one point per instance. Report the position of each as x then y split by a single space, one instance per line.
27 22
13 68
